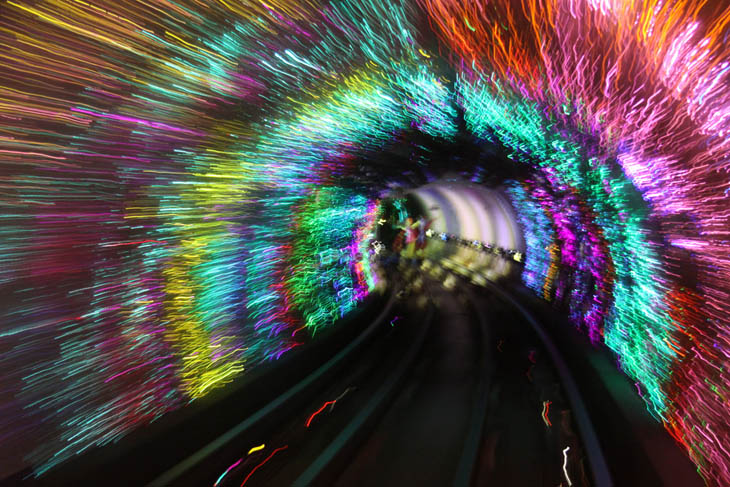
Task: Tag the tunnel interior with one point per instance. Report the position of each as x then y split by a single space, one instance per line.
193 191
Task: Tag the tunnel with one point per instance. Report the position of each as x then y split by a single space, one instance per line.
365 242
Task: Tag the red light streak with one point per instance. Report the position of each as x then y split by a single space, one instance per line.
262 463
546 412
309 421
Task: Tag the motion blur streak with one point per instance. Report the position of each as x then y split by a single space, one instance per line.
182 202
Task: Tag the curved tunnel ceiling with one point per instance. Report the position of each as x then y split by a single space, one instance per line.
189 190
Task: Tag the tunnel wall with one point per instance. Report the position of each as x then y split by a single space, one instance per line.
169 173
174 216
618 108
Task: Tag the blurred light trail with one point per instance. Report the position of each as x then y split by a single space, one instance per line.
183 190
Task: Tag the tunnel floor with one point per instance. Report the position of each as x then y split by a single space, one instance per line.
454 388
477 367
428 419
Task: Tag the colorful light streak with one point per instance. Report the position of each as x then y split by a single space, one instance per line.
174 213
602 98
546 413
175 207
271 455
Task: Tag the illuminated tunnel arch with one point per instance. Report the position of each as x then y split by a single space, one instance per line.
181 197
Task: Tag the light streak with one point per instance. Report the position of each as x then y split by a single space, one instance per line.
281 448
238 462
180 193
565 466
234 465
257 448
546 412
314 414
